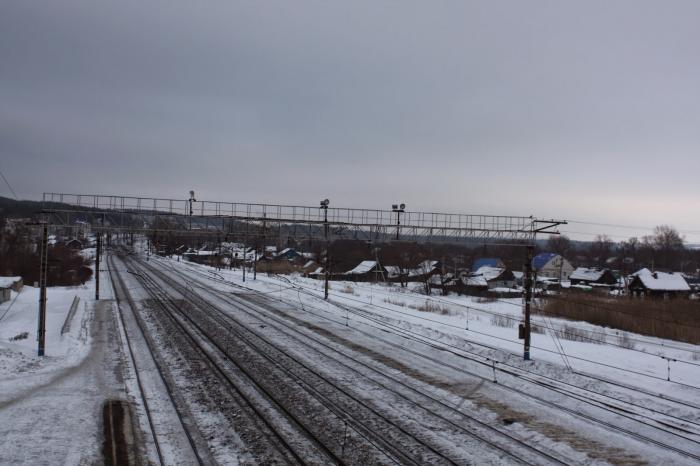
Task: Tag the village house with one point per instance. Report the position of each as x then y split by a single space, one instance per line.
488 261
367 271
7 285
289 254
424 270
471 284
550 265
495 277
658 284
592 276
74 244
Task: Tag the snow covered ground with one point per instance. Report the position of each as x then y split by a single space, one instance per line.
50 407
610 364
635 358
18 337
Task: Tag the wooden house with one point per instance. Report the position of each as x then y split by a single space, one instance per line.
496 277
550 265
658 284
592 276
367 271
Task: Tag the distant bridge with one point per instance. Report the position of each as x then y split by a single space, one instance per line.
188 216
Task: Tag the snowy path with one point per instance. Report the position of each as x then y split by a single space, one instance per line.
59 421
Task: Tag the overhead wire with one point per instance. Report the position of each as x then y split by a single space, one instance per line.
8 185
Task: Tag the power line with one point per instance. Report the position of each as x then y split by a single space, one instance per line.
8 185
629 227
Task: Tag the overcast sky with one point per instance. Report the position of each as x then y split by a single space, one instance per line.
584 110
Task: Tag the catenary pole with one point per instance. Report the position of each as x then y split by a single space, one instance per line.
43 261
97 266
528 302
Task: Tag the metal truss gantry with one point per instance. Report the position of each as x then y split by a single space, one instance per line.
187 216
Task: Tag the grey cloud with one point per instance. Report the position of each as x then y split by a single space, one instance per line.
364 102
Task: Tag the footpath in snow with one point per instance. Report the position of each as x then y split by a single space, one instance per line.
51 406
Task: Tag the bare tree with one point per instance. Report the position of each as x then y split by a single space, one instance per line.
600 249
559 244
668 245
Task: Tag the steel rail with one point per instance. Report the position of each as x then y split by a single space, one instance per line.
514 374
122 288
166 302
357 423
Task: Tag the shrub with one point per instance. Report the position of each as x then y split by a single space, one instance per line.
21 336
579 334
431 307
499 320
395 302
626 341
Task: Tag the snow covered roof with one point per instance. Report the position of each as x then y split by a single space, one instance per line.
489 273
587 273
6 282
662 281
490 261
478 281
393 270
425 267
318 271
308 264
206 253
362 267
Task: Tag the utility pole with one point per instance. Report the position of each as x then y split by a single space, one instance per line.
43 268
255 260
528 302
324 206
245 247
243 264
97 266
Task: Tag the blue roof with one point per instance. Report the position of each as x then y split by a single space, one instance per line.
490 261
540 260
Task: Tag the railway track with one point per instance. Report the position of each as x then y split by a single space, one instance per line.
290 443
164 456
346 426
683 430
444 417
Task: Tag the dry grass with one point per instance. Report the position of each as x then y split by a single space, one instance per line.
579 334
21 336
395 302
677 319
431 307
498 320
